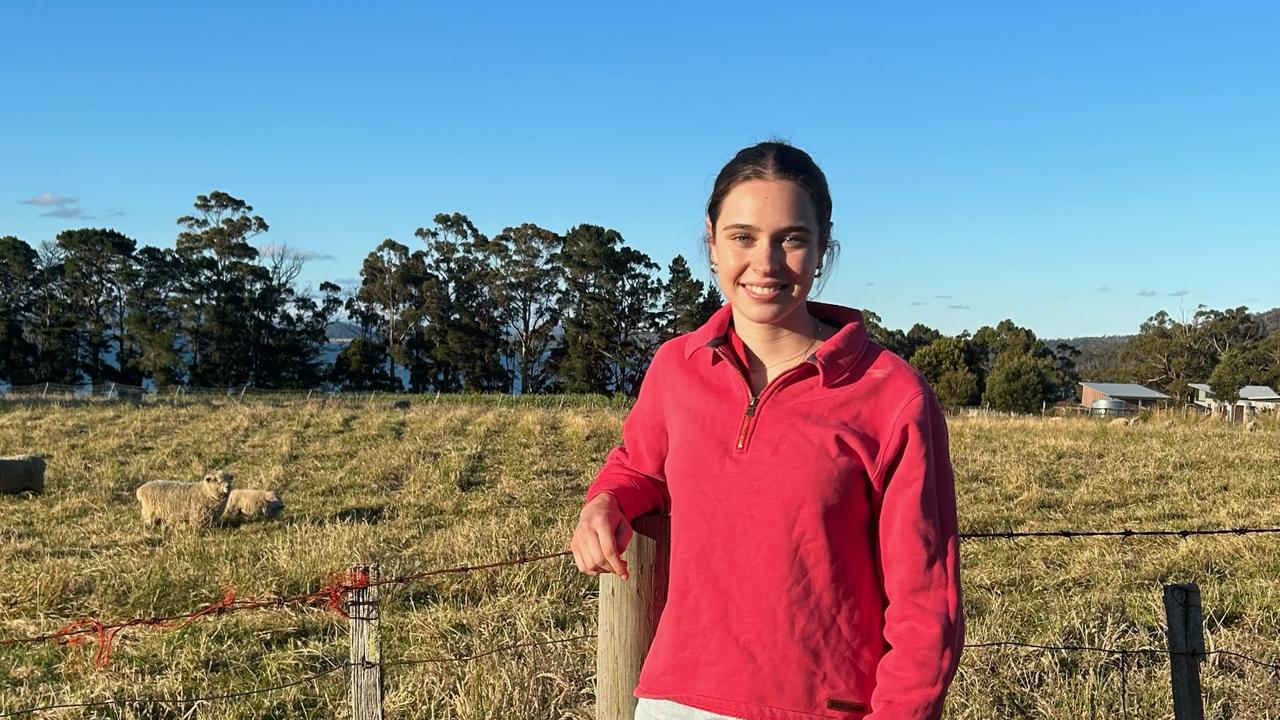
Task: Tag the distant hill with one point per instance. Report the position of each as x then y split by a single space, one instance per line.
1099 355
342 332
1270 320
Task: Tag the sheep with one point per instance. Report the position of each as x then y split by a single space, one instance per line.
1118 422
171 502
250 504
1251 426
22 472
401 405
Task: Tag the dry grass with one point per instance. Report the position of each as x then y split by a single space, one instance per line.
453 484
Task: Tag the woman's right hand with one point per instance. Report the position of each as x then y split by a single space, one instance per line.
601 537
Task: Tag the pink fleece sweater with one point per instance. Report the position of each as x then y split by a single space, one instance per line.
814 553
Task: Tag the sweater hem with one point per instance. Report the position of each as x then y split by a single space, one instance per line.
737 708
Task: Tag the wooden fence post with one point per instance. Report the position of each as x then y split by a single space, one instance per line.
365 612
1186 647
629 613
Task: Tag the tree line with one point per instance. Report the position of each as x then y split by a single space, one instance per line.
528 310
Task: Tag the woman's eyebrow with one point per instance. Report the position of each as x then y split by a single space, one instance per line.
794 229
753 228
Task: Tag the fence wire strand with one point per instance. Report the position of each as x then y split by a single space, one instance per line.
331 594
180 701
301 681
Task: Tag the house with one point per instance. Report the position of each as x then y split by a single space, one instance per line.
1252 400
1119 398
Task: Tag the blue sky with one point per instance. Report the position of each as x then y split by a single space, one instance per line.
1073 167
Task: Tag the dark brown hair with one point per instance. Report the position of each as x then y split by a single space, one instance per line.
775 160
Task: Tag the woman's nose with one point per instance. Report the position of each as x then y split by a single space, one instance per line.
766 257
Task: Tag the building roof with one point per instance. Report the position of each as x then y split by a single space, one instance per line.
1258 392
1127 391
1248 392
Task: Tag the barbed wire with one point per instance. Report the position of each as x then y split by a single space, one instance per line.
1123 651
1120 652
302 681
179 701
329 596
1123 533
110 392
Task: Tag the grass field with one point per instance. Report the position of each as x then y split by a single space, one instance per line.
444 484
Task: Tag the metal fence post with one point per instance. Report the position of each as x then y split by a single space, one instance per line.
1186 648
365 613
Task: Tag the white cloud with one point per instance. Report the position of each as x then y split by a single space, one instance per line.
303 255
49 199
66 212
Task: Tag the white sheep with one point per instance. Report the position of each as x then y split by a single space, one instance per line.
251 504
22 472
182 503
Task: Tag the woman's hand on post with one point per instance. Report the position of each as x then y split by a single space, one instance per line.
601 537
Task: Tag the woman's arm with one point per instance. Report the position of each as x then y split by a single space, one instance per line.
631 483
920 566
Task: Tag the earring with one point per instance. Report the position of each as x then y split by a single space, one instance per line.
818 274
714 269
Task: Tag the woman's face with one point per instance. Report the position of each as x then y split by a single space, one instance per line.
767 245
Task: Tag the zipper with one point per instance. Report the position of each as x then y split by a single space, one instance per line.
746 421
754 399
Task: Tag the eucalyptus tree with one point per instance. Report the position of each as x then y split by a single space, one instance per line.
52 326
389 303
153 316
526 290
289 326
98 269
17 304
1167 354
611 312
464 341
219 272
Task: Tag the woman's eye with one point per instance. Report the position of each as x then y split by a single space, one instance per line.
794 239
742 238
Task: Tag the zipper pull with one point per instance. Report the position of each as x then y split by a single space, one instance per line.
746 421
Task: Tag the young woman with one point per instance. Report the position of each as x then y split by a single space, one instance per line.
814 565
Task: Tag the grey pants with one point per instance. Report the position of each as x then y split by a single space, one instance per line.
648 709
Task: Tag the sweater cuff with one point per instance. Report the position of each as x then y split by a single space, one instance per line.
632 501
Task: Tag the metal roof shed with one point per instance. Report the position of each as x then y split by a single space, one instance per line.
1130 393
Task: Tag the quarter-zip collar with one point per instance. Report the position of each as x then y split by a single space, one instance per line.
834 358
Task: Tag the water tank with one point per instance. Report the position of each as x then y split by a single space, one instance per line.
1107 406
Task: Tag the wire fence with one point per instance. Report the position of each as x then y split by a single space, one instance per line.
332 594
177 394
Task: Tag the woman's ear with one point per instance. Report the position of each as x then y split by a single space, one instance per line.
710 231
